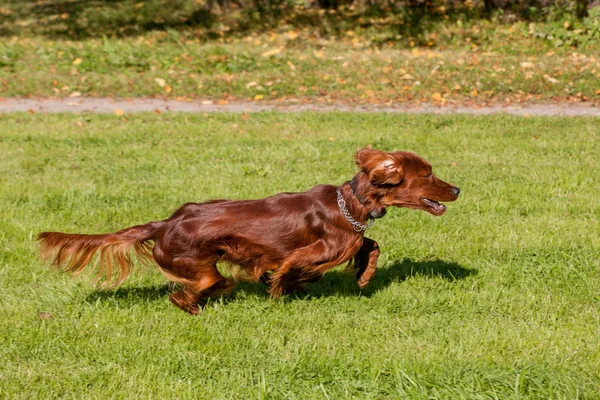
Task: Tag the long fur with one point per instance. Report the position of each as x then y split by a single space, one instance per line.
74 252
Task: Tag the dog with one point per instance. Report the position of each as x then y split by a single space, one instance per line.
285 240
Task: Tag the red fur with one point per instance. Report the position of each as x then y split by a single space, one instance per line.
285 240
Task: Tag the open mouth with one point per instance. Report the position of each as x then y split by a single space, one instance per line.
434 207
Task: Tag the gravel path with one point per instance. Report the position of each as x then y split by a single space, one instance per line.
109 105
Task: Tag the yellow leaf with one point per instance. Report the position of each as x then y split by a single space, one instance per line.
75 94
598 92
567 25
527 64
292 34
119 112
168 89
550 79
258 97
139 5
292 66
436 96
474 93
319 54
77 61
270 53
161 82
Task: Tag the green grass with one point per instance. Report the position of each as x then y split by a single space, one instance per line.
499 298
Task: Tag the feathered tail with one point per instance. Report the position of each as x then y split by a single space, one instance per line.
74 252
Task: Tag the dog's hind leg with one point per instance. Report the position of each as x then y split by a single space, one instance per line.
200 280
199 276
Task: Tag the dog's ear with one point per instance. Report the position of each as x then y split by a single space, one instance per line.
382 168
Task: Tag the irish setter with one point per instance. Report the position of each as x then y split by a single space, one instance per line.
285 240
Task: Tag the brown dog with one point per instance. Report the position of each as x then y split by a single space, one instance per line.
285 240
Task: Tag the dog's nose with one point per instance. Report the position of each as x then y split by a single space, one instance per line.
455 191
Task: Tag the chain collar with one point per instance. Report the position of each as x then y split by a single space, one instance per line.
357 226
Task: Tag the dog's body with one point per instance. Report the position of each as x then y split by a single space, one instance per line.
285 240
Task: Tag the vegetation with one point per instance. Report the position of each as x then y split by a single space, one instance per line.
78 48
496 299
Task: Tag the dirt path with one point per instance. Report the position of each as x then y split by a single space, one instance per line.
109 105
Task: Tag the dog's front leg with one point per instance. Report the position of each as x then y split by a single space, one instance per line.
366 261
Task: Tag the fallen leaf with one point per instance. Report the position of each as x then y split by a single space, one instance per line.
161 82
550 79
331 138
436 97
157 111
80 124
270 53
319 54
598 92
292 66
77 61
527 64
206 102
245 116
474 93
75 94
258 97
44 315
119 112
168 89
292 34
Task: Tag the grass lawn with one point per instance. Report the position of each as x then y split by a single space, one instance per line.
499 298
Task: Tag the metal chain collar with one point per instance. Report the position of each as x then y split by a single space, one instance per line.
358 227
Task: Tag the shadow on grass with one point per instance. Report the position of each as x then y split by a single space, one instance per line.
81 19
335 283
338 283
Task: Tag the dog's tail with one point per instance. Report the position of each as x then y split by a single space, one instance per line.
74 252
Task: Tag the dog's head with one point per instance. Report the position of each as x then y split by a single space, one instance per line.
403 179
